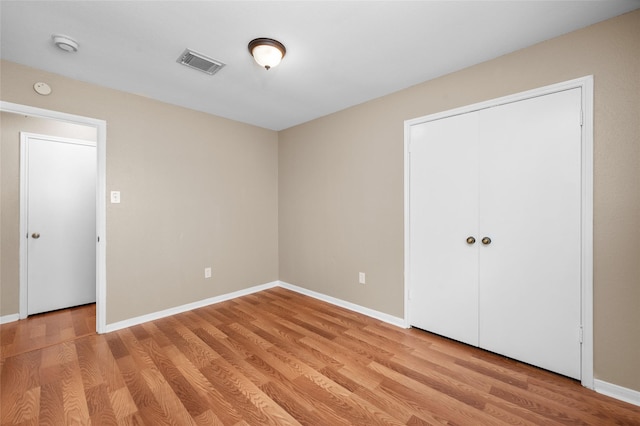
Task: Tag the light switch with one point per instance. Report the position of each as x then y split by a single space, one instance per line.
115 197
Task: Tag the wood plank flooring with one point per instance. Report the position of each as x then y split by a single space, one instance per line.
276 357
42 330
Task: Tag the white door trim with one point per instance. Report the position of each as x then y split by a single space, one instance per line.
101 277
586 85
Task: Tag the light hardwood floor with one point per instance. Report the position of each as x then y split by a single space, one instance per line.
274 357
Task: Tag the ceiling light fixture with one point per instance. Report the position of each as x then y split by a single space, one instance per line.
65 43
267 52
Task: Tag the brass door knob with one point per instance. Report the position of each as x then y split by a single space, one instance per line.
486 241
35 235
471 240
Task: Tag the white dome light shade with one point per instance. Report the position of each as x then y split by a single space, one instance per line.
267 52
267 56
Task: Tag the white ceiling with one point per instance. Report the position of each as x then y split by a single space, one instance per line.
339 53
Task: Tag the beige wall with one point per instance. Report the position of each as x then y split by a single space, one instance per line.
10 127
341 182
197 191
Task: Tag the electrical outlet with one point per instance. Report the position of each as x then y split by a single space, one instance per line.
361 278
207 272
115 197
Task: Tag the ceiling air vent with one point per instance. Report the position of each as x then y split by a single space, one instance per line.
200 62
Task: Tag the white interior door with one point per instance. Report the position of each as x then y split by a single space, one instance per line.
61 222
530 207
443 214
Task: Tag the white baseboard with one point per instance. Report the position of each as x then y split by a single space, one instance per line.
189 306
9 318
618 392
390 319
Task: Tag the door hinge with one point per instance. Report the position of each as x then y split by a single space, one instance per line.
98 238
581 117
580 334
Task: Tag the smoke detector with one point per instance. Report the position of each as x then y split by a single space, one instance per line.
65 43
200 62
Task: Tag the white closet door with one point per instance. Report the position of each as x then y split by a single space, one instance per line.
443 213
530 196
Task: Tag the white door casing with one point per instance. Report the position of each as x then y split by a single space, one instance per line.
61 221
581 205
101 276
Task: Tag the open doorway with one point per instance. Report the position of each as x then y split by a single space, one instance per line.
36 120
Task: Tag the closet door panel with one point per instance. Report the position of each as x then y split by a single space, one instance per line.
530 174
443 213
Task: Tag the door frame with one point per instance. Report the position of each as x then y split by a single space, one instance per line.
586 86
101 151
